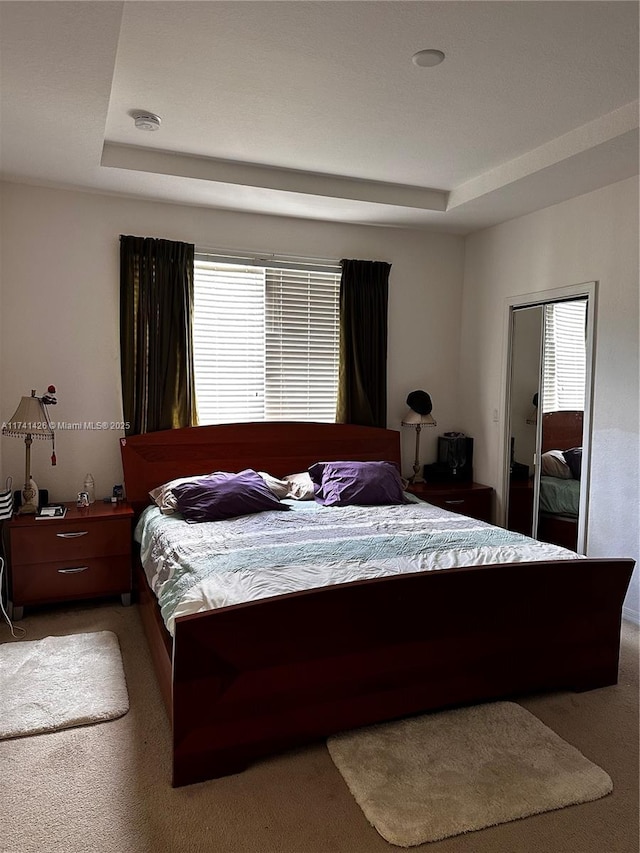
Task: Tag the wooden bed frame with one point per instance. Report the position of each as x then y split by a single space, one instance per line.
560 431
248 680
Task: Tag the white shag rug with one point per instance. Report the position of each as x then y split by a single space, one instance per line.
430 777
60 682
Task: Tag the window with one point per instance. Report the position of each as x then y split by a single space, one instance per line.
564 356
265 341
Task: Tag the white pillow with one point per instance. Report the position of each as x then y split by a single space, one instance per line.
280 488
300 486
553 465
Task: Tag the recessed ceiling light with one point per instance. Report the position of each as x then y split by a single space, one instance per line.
427 58
146 121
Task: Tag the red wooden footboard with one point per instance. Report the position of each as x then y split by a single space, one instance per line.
253 679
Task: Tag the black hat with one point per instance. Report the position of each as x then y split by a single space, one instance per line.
420 402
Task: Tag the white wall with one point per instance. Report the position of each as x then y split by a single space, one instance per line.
590 238
60 323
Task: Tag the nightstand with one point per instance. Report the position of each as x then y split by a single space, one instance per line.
473 499
520 513
86 554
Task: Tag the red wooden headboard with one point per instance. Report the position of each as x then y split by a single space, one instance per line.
561 430
279 448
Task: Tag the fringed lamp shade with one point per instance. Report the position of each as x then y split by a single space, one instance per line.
414 419
31 421
30 418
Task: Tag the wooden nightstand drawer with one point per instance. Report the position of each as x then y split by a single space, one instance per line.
61 540
472 499
85 554
475 505
69 579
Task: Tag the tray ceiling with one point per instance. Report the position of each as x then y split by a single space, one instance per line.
315 109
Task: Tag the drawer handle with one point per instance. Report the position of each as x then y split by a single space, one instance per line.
461 501
73 571
72 535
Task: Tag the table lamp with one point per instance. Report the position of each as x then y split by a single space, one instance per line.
31 420
418 416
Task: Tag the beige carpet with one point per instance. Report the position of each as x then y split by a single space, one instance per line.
60 682
105 788
430 777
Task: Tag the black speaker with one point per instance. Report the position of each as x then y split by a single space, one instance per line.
455 460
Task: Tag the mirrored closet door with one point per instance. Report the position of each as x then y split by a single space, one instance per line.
549 404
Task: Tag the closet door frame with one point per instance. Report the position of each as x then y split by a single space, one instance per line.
540 298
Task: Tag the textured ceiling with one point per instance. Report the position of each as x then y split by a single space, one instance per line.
314 109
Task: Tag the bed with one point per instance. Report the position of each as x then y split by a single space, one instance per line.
559 489
244 681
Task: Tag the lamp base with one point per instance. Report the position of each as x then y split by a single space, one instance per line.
416 476
30 499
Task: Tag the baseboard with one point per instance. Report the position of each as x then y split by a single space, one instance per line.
631 615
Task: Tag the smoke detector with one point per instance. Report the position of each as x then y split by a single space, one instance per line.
146 121
427 58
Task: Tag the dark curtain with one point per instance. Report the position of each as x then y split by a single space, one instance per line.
156 347
362 383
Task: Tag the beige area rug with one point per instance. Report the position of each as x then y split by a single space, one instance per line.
60 682
430 777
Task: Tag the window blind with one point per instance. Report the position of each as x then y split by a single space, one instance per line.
266 342
301 345
229 343
564 368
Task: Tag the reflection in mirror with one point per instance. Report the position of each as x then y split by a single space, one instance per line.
548 370
562 399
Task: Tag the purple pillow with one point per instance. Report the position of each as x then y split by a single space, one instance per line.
356 483
224 495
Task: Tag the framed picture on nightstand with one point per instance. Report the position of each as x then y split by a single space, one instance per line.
52 511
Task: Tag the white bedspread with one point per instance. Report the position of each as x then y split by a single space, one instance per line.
197 567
